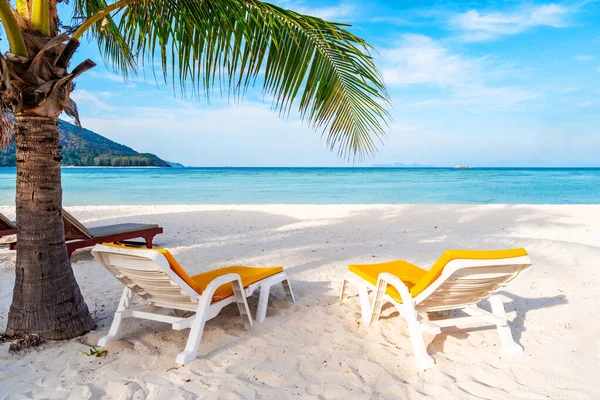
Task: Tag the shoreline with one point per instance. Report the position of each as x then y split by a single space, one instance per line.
7 207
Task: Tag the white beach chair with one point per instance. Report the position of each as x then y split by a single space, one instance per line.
156 277
457 281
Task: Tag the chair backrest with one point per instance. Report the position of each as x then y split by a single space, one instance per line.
75 229
5 223
464 282
148 274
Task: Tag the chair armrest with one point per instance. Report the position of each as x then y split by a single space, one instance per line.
221 280
389 279
383 280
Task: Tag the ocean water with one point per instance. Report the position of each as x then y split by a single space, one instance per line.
114 186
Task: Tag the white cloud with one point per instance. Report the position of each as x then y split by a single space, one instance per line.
549 15
335 13
420 60
240 136
584 58
340 12
479 26
570 89
93 99
493 97
400 21
108 76
130 82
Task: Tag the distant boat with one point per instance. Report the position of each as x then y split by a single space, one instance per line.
462 167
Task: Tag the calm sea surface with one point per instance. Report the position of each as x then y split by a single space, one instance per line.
112 186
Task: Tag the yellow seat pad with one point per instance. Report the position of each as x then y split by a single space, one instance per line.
249 275
418 279
408 273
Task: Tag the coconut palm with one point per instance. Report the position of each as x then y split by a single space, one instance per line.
201 45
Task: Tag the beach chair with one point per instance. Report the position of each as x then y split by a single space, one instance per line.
457 281
78 236
157 278
7 227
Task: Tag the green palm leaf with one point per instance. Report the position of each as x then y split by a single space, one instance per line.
113 47
232 44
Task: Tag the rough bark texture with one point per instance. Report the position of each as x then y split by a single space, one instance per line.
46 297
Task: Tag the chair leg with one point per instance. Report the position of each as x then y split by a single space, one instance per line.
363 297
195 336
263 301
242 303
365 308
344 291
287 289
118 318
377 302
193 343
511 348
70 251
149 240
423 360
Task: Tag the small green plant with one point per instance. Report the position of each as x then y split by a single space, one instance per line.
96 352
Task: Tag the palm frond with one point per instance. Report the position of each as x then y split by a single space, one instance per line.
232 44
116 51
11 28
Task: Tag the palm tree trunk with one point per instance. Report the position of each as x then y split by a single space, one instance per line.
46 297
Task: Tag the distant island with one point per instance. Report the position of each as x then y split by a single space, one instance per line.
84 148
402 165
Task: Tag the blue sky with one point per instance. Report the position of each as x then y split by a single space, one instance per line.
499 83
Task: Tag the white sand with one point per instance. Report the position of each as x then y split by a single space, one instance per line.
316 348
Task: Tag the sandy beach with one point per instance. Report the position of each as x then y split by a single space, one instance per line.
317 349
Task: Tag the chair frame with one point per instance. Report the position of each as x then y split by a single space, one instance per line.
414 310
7 228
146 234
77 238
202 305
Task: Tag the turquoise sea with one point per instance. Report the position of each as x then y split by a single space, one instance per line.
113 186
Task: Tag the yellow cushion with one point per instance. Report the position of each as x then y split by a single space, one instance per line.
418 279
249 275
408 273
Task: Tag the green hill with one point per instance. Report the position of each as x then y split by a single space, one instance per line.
84 148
